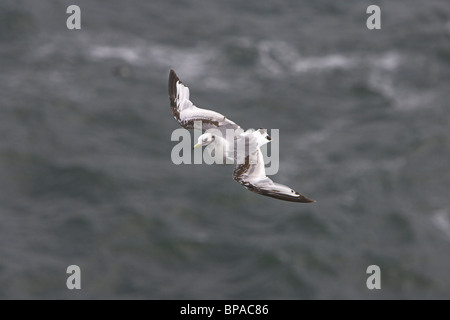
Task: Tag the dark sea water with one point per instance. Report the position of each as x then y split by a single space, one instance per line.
86 176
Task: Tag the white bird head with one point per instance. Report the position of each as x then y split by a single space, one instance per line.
205 139
262 137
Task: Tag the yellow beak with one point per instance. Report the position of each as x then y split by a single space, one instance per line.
197 145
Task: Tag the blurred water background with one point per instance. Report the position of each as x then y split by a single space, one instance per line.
86 176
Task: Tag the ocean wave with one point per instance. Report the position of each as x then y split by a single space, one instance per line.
270 59
279 57
192 61
130 55
274 57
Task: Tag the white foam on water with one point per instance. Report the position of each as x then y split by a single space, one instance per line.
388 61
275 56
383 74
278 57
441 220
329 62
401 97
130 55
189 62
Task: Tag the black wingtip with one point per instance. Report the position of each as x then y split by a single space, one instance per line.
172 74
304 199
173 79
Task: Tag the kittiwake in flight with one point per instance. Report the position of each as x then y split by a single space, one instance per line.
249 168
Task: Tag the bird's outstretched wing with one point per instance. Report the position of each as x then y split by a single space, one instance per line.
186 113
252 175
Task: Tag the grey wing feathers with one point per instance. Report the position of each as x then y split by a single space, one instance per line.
186 113
253 177
279 191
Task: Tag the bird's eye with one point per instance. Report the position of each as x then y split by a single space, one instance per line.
213 137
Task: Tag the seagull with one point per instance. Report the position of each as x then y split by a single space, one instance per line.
249 168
